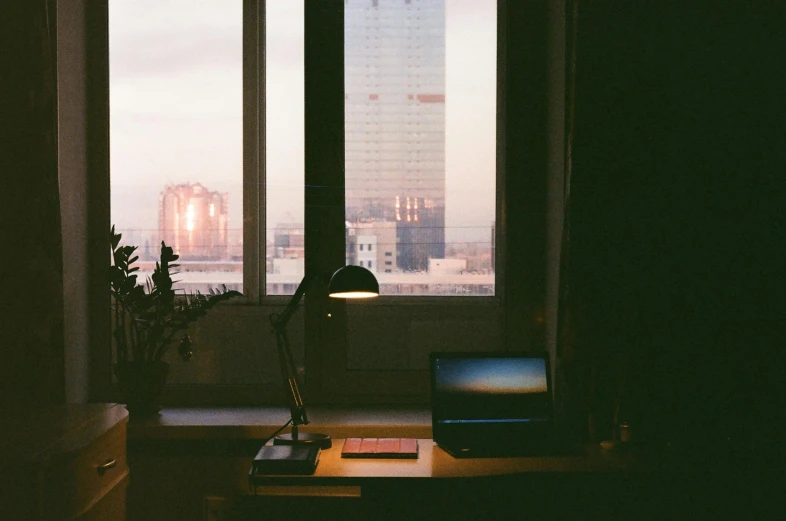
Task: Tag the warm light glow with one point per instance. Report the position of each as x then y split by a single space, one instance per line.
355 294
190 218
212 210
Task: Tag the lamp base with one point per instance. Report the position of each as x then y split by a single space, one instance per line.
322 441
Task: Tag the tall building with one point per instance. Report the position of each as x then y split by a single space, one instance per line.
395 121
194 222
373 245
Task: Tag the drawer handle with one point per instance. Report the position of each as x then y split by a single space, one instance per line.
110 464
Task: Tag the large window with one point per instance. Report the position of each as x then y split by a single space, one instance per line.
265 140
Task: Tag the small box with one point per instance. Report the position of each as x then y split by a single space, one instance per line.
286 459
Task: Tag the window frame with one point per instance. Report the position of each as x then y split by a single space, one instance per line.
324 369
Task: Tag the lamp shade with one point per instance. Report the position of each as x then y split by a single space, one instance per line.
353 282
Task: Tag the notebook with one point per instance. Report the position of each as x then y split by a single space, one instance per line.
389 448
492 404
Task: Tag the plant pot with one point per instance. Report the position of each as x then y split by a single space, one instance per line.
141 385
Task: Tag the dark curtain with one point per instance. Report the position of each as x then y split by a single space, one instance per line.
672 288
592 362
31 265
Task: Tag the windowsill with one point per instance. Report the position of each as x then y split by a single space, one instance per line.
261 422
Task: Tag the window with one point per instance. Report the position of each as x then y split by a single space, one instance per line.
176 157
284 147
437 186
419 196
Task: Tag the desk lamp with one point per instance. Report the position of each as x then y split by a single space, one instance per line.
348 282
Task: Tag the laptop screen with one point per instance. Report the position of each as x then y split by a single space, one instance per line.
479 394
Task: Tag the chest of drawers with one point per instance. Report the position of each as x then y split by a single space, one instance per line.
64 463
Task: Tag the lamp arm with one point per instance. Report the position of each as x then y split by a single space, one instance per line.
289 373
288 370
279 322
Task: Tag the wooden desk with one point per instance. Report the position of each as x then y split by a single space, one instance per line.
640 484
437 485
435 463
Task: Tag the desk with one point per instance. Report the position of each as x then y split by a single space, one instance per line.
596 485
437 485
185 456
435 463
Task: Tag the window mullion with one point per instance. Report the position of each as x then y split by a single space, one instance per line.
253 148
324 169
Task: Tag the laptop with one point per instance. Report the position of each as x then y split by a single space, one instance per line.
492 404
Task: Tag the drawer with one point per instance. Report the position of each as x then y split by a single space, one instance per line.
74 481
111 507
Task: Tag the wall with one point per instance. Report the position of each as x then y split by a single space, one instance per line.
72 165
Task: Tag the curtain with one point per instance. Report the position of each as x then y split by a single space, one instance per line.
592 360
671 286
31 264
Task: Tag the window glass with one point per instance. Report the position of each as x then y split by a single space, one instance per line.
420 141
176 122
284 147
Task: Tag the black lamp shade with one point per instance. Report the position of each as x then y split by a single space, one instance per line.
353 282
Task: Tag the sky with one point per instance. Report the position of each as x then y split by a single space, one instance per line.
176 108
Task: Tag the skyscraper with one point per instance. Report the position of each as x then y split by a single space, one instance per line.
395 121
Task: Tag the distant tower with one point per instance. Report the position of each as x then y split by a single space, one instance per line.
395 122
194 221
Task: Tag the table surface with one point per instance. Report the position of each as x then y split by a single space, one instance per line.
434 462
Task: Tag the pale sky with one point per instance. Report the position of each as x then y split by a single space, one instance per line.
176 107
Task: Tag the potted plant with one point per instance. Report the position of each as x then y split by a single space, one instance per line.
148 319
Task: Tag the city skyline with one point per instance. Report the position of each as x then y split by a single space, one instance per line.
142 97
149 107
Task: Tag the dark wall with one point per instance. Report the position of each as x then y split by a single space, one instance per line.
677 235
